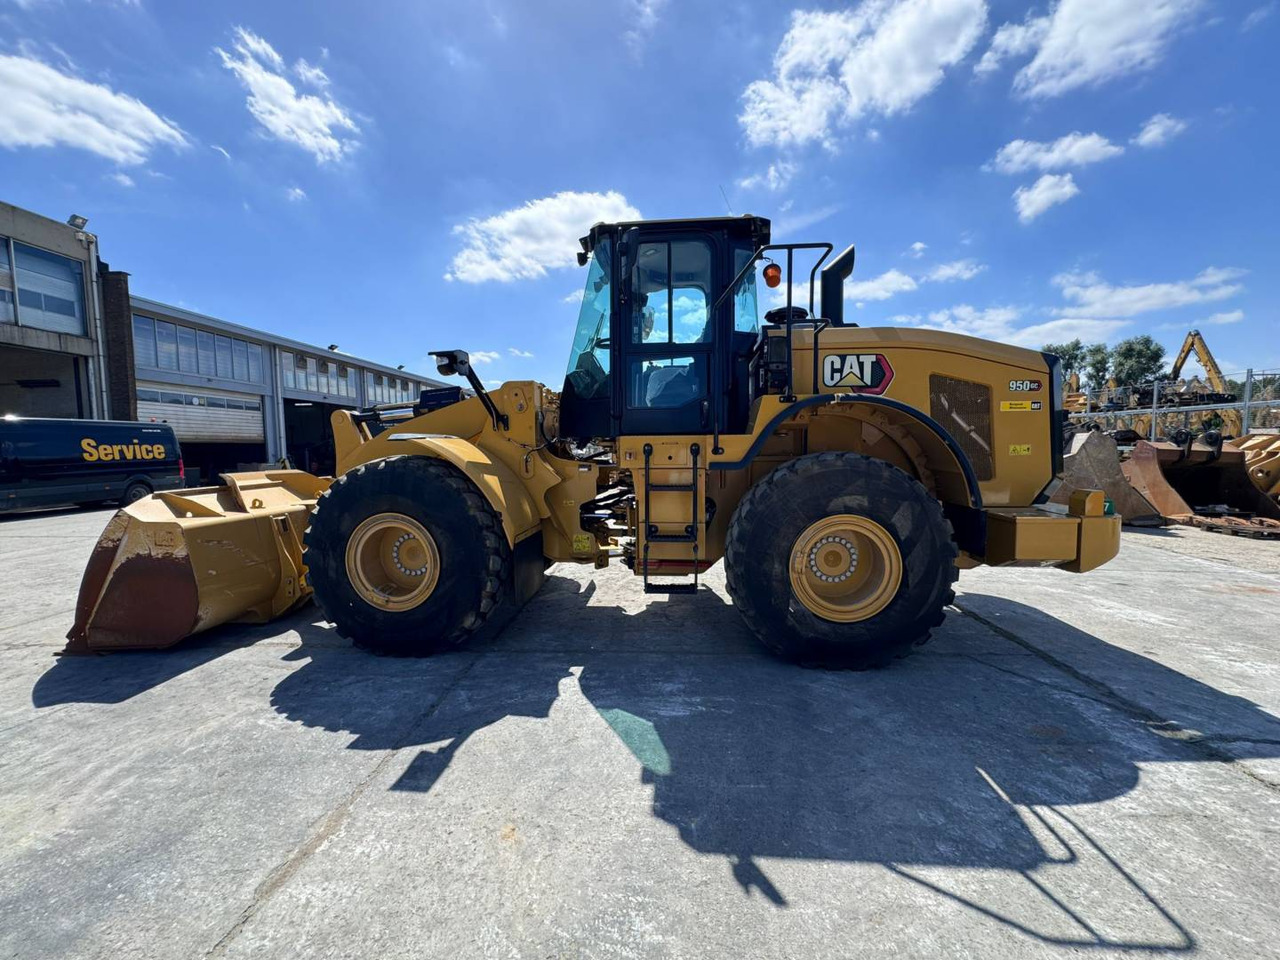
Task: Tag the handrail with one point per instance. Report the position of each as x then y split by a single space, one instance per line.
790 248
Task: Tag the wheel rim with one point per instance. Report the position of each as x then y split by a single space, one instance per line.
392 561
845 568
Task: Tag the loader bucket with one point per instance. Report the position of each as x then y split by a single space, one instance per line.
1262 459
174 564
1183 482
1093 463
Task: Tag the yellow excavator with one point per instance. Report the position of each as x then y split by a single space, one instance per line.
1219 391
844 474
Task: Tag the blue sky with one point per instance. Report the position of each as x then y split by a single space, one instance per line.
400 177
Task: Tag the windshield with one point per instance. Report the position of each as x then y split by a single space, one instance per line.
589 358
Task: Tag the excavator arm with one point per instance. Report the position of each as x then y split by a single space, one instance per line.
1212 373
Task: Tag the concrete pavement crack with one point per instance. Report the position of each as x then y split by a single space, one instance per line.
1204 746
329 824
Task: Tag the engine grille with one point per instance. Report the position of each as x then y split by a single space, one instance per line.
964 410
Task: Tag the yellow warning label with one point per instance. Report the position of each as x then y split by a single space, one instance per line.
1019 449
1008 406
582 543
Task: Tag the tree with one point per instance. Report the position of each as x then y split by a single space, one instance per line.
1137 360
1097 365
1071 354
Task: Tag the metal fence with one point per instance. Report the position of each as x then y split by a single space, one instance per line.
1251 401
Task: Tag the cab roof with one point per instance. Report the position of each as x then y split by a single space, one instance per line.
746 225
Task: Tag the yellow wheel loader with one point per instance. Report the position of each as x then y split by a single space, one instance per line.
844 474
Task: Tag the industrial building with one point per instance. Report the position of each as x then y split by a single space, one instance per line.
75 342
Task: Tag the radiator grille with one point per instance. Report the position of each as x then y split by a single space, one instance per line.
964 410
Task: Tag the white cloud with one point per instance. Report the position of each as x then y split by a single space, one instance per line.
1221 319
483 356
955 270
1091 296
878 59
776 177
918 248
221 150
317 123
1258 15
1012 40
883 287
122 178
1001 324
1074 150
575 297
255 46
516 352
42 107
311 74
793 223
888 284
1159 130
1049 191
527 241
296 194
1216 275
1086 43
644 21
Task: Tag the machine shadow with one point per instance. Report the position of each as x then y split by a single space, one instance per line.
117 676
961 756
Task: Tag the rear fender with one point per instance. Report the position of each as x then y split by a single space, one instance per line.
497 483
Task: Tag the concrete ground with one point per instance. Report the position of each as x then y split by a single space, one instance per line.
1074 766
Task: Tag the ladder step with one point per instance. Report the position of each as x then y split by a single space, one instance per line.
673 487
670 588
672 538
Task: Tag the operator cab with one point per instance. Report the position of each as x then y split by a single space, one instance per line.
658 348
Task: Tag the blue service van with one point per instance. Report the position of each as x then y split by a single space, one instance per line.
48 463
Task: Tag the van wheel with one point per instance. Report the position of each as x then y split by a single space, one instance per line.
134 492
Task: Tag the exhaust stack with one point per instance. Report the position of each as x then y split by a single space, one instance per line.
834 275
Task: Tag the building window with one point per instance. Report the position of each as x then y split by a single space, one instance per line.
187 361
286 368
6 283
240 359
166 346
313 375
222 352
144 341
255 362
207 354
50 290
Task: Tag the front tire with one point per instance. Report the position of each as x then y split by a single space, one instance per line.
840 560
406 557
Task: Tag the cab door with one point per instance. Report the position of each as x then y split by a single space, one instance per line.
668 332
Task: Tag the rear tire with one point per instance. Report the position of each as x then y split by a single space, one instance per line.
812 512
134 492
463 560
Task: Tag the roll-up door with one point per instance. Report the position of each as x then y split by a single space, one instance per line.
201 415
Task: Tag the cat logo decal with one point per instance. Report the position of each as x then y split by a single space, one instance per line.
857 372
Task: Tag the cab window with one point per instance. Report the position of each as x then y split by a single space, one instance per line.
746 310
671 281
